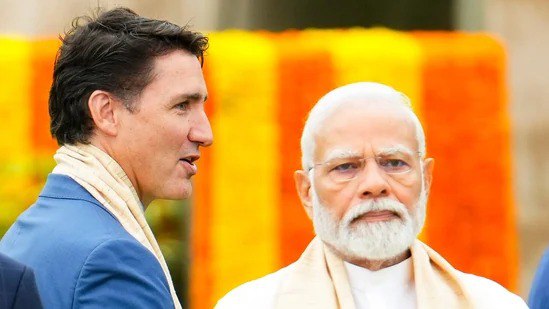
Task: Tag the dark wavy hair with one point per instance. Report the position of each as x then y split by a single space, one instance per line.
113 52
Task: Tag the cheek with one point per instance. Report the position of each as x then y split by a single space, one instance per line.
167 136
176 130
144 131
338 200
408 192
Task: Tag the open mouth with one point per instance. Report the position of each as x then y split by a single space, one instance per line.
189 162
190 159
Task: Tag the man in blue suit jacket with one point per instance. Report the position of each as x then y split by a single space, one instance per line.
82 256
17 285
539 294
126 106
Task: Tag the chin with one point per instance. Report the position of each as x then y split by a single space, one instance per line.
179 193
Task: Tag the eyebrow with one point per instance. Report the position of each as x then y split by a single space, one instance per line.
348 153
341 154
195 96
395 150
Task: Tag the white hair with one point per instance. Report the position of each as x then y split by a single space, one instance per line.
367 92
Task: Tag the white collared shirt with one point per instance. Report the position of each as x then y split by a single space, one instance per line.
387 288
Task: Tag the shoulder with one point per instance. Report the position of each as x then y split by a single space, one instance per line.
27 293
484 292
10 267
259 293
128 251
11 274
122 265
490 294
60 234
18 286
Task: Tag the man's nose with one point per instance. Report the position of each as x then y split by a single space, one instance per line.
372 182
201 130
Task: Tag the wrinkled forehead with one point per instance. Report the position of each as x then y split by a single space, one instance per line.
366 129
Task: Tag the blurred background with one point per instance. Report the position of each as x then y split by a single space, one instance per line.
509 66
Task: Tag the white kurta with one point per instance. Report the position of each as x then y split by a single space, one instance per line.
261 293
388 288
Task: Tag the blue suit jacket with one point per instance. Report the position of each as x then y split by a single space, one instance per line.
81 255
17 285
539 294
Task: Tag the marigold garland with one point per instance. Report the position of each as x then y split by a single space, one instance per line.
14 99
305 74
471 216
16 191
244 188
201 271
247 219
43 54
379 55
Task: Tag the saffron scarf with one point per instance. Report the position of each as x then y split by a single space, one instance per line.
105 180
319 280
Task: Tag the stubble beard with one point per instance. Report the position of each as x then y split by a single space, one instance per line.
373 241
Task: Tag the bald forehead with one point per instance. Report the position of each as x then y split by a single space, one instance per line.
364 90
360 126
359 103
365 109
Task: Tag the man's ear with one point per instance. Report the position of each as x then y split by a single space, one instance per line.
102 110
428 167
303 186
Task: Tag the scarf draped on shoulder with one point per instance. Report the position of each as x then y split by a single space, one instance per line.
105 180
319 280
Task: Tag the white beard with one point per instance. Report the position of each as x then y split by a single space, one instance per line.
370 240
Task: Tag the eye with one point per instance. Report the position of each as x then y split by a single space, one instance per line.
183 106
394 165
346 167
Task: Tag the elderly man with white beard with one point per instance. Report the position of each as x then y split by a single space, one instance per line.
364 183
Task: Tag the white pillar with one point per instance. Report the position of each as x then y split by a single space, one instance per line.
522 25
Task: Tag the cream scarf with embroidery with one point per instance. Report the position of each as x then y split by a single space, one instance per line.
319 280
105 180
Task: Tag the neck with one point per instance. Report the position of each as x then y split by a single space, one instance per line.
107 148
375 265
